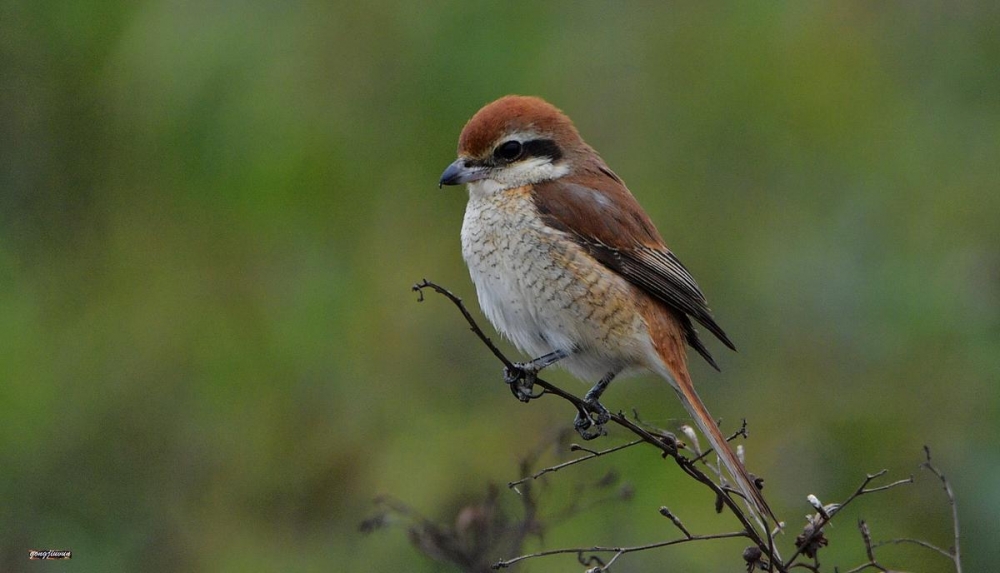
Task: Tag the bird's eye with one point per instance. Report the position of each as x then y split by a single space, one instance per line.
508 151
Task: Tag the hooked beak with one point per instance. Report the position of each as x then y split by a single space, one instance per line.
461 172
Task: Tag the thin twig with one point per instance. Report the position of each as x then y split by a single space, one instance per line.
741 432
956 549
920 542
665 512
617 550
863 489
866 536
591 455
888 486
419 288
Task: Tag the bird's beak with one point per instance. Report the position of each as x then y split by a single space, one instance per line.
461 172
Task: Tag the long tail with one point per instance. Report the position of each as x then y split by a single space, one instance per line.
668 341
694 405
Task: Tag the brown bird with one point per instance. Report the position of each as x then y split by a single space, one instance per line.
570 268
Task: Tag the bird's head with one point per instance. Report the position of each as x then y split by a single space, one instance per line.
514 141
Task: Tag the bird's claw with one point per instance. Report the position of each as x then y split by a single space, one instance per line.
586 419
521 379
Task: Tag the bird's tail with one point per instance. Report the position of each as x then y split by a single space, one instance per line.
695 407
672 354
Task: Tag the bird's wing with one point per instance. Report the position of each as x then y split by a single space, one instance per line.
600 213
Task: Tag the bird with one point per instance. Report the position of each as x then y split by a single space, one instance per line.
569 267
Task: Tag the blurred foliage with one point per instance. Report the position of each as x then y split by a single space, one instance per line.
211 214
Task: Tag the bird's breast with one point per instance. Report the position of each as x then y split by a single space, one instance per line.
544 292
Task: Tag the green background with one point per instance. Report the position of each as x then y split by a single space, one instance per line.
211 214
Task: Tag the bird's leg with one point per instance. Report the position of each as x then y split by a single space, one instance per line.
584 419
521 377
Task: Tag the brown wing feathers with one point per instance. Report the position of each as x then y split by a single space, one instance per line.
598 210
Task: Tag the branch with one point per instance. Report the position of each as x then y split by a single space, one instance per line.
956 550
762 554
665 512
591 455
618 551
419 288
920 542
866 536
869 550
666 445
954 553
825 516
741 432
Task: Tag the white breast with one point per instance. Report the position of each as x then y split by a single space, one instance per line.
543 292
500 243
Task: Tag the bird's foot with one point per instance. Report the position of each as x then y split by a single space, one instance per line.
594 416
521 379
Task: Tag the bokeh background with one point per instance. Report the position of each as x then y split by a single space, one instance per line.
211 214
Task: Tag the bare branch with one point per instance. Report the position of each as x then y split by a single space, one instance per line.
618 551
665 512
956 549
863 489
419 288
763 553
952 554
741 432
888 486
866 536
902 540
591 455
